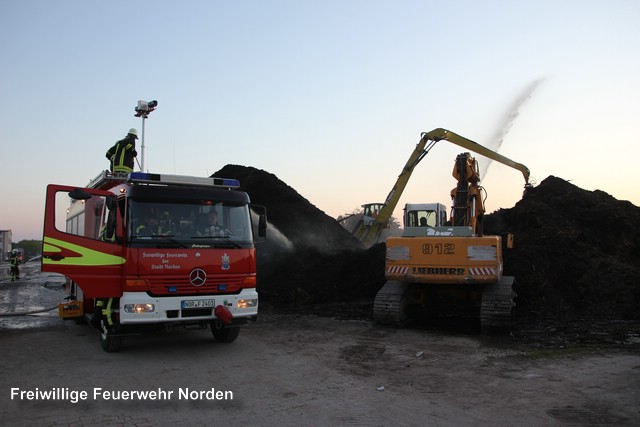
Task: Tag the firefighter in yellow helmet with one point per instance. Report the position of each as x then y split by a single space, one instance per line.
13 262
123 152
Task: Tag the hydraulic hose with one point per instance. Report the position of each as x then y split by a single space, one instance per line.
26 313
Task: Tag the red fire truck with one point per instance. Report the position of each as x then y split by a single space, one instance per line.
147 250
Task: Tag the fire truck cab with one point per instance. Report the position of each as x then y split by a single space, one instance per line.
143 250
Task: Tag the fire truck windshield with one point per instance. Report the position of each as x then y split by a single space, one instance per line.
188 223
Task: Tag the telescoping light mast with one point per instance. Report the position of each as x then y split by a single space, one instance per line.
143 109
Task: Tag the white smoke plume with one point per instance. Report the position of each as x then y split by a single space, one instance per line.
507 122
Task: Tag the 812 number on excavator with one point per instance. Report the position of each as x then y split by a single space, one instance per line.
439 248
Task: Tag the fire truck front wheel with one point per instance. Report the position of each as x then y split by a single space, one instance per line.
110 342
223 333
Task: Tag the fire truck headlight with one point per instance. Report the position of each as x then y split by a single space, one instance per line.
139 308
247 303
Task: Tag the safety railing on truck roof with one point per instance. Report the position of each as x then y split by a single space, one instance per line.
153 178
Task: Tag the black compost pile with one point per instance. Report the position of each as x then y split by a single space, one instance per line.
308 258
576 254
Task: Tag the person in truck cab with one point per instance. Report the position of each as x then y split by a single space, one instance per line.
213 228
149 227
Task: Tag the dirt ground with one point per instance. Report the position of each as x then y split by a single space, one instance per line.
306 370
301 369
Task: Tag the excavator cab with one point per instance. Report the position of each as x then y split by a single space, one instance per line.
425 215
429 219
370 212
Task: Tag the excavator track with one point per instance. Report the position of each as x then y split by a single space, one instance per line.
389 307
496 310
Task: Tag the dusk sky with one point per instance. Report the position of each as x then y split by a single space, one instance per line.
329 96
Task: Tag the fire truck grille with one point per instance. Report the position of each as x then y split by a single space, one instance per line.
181 286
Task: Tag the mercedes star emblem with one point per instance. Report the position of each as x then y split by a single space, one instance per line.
197 277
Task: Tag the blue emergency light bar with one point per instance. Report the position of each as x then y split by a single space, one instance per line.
155 178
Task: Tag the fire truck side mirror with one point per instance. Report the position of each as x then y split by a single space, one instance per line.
111 225
262 226
79 194
261 213
111 202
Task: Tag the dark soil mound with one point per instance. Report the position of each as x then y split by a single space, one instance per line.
303 224
308 257
576 255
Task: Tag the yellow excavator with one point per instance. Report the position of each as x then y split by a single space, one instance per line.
440 266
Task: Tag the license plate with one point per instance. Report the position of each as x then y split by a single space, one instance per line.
198 303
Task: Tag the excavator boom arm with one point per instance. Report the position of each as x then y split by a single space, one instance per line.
440 134
421 150
369 235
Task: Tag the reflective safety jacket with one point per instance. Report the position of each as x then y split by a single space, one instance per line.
122 154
